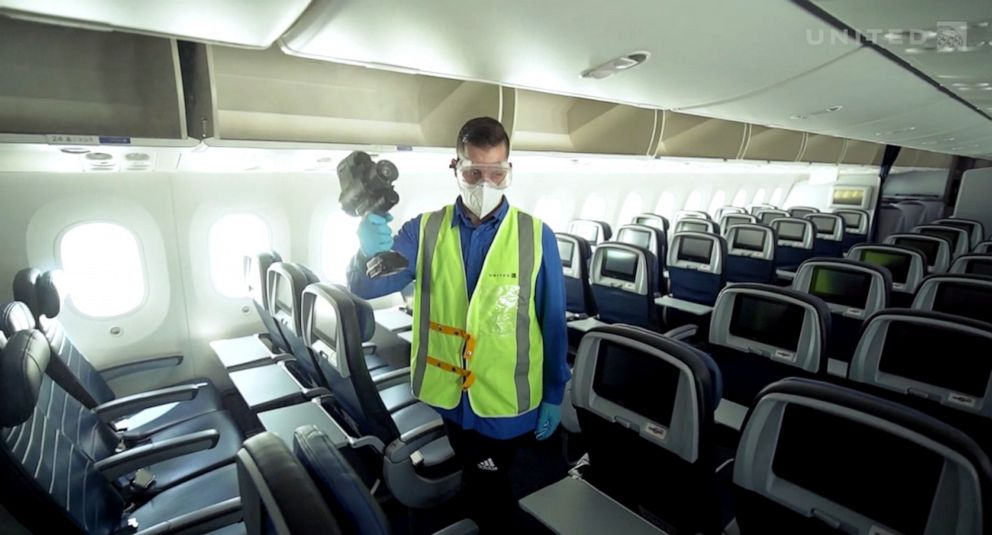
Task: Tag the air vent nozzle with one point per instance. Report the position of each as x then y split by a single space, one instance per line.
616 65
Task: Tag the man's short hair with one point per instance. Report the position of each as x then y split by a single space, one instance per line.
482 132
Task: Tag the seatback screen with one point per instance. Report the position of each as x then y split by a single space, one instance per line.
767 217
639 238
957 361
325 322
619 264
650 221
767 321
750 239
963 225
860 467
695 250
284 294
851 220
641 383
824 225
694 226
970 301
896 263
840 286
980 267
791 231
929 248
800 212
947 234
732 221
565 250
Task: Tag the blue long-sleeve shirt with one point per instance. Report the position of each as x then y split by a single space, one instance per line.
549 301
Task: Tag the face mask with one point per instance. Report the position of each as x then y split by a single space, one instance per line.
480 200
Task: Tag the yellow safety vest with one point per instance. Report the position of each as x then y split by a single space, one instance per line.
490 346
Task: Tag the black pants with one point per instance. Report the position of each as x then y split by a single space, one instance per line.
486 486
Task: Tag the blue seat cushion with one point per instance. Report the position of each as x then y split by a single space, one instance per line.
695 286
745 269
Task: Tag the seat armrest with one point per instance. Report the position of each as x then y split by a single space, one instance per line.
415 439
156 363
205 520
392 378
462 527
131 460
121 407
682 333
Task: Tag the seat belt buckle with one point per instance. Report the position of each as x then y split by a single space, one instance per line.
122 425
143 480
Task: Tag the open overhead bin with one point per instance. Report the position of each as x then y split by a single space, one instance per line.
60 80
269 96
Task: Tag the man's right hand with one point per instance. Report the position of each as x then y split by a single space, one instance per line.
374 234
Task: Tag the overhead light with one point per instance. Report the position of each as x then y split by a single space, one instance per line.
74 150
616 65
896 131
824 111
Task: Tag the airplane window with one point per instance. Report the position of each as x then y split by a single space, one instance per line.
694 202
594 208
777 196
103 268
549 210
632 206
717 202
741 198
231 238
340 243
666 205
759 197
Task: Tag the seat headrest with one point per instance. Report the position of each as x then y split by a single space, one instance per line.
23 362
16 317
268 471
256 269
879 283
286 282
625 267
25 289
340 486
366 316
973 264
51 291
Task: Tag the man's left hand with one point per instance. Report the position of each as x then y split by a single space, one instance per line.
548 418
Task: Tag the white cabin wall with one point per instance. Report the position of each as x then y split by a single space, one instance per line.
817 195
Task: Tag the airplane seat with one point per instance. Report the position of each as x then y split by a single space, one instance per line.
653 240
696 224
818 458
696 267
761 333
973 264
692 214
624 284
767 215
903 355
575 255
751 254
727 210
594 232
914 212
732 219
286 282
652 220
968 296
645 403
959 238
936 250
907 265
829 239
983 247
278 494
852 291
260 348
43 295
419 467
800 212
753 209
889 220
52 482
795 240
975 229
856 224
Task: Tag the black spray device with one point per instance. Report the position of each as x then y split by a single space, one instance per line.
367 188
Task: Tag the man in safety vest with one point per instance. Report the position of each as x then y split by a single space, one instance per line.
489 336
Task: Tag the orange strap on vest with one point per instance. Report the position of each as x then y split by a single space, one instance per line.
467 376
454 331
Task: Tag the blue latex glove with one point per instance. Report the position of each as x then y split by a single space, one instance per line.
548 418
374 234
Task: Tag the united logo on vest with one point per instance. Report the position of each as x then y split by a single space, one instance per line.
489 346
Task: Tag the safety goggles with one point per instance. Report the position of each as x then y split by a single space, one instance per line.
494 175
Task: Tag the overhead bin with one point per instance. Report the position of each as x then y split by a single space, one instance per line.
547 122
269 96
863 153
60 80
922 158
822 149
773 144
680 134
255 24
